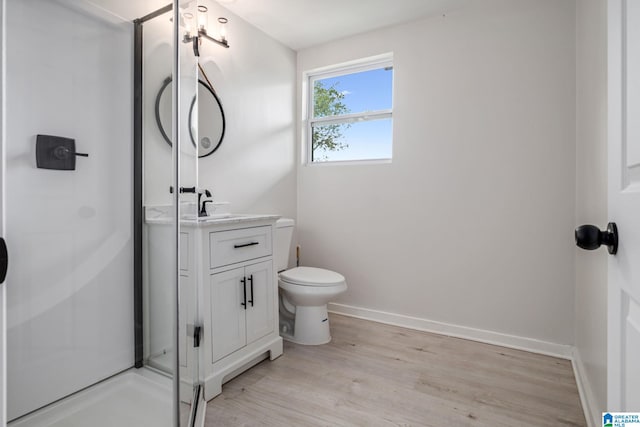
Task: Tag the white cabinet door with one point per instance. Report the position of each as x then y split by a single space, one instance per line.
228 321
260 319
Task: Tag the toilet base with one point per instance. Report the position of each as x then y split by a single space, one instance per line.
311 326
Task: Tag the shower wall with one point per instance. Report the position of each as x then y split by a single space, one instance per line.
69 293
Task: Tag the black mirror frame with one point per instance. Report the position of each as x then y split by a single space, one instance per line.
224 121
166 83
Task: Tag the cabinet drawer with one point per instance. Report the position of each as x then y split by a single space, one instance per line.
229 247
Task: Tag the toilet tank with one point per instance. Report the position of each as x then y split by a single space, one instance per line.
283 234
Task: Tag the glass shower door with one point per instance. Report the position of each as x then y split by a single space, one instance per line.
170 248
80 287
189 199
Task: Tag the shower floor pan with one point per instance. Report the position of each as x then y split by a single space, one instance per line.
134 398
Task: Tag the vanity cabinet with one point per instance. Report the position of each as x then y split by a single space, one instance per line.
239 294
228 286
241 303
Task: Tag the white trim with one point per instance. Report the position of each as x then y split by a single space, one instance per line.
362 162
352 117
562 351
590 408
345 68
355 66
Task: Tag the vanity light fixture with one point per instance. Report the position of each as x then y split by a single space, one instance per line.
196 36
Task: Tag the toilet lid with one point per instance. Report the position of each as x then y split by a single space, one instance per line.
311 276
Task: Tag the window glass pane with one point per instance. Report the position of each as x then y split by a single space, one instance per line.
353 93
367 140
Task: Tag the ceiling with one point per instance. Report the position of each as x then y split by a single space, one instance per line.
304 23
299 24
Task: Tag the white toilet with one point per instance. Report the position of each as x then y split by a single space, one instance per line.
304 293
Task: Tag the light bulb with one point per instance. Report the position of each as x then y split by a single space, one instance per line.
188 23
223 28
203 18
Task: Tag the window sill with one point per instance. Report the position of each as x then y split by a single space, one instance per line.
349 162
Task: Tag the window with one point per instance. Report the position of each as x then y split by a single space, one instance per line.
350 113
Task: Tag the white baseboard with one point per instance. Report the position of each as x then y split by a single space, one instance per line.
489 337
589 405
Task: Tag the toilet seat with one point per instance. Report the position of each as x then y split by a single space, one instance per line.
311 276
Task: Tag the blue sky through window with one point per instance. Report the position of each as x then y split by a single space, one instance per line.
364 91
369 140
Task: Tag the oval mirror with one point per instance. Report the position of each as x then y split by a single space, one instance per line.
210 124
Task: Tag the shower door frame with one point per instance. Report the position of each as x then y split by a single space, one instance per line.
197 402
138 178
3 311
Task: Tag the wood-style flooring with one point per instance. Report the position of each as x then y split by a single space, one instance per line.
373 374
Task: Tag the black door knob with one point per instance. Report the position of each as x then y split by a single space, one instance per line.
590 237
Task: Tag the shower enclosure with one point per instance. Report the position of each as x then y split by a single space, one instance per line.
100 327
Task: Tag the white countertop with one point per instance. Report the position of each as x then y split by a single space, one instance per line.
160 215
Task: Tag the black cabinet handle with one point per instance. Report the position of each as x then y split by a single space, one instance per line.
187 190
251 281
245 245
4 260
244 293
590 237
183 189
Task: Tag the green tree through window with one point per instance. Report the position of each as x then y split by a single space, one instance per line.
327 101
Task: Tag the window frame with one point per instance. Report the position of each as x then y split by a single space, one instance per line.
362 65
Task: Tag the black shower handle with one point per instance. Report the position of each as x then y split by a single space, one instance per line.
62 153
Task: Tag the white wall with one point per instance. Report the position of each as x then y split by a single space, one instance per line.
591 202
472 222
254 168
